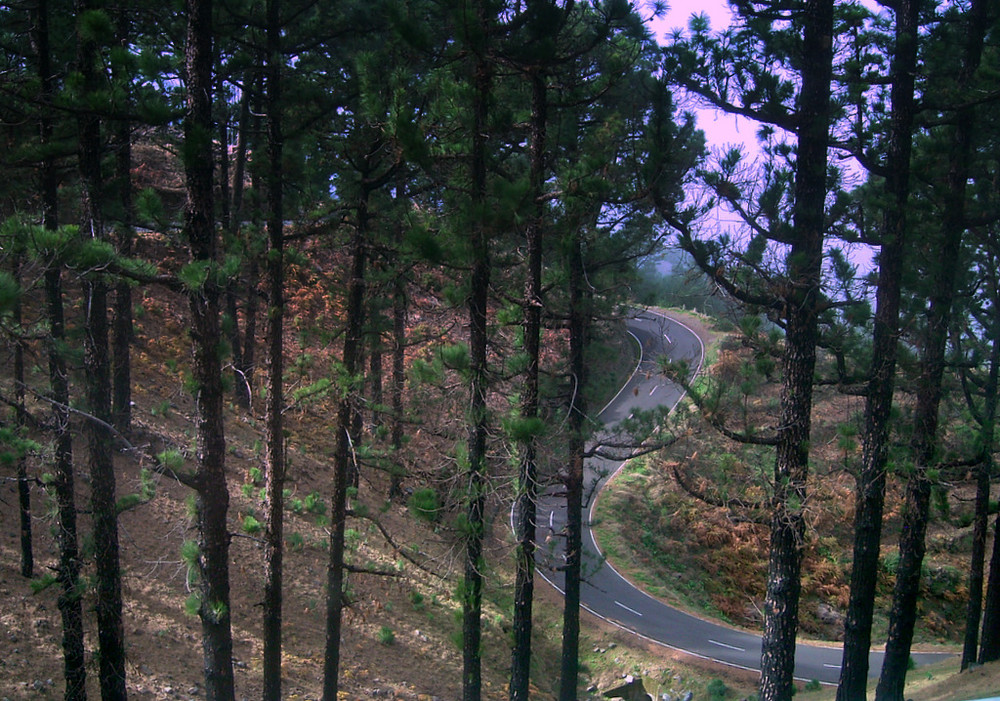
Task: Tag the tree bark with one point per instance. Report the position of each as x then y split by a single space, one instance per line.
399 314
23 485
989 648
68 568
527 494
902 616
870 490
804 264
579 322
476 305
110 630
212 491
980 530
275 478
122 328
353 339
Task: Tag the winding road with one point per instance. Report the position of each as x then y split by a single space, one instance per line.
606 593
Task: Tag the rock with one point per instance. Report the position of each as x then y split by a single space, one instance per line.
829 615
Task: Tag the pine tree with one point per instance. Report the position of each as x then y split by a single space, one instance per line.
794 297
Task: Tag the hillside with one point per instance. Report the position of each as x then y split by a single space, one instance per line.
401 635
400 629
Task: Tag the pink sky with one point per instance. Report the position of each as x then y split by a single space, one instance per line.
720 129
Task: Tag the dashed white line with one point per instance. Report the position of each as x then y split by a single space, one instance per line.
831 666
730 647
655 387
630 610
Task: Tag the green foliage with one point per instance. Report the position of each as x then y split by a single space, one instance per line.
92 254
149 206
939 497
316 391
455 357
313 503
10 292
425 504
171 459
295 541
190 554
40 584
386 635
251 525
717 690
192 604
813 685
194 274
96 26
521 429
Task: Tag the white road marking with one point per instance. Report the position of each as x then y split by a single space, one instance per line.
831 666
730 647
628 609
552 515
655 387
669 342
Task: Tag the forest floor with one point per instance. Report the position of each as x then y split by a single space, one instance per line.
400 636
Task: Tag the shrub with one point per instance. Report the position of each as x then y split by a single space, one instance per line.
717 689
386 635
424 504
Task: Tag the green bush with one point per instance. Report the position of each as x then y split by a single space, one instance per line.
424 504
386 635
717 689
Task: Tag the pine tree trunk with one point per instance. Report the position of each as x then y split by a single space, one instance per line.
68 568
375 375
353 338
902 615
477 309
989 647
275 477
23 485
110 630
804 263
870 490
980 530
527 488
578 332
242 393
398 379
206 333
122 331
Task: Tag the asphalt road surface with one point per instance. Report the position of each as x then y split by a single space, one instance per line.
608 595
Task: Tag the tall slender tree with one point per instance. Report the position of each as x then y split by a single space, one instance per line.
924 445
275 473
203 297
794 298
870 490
111 633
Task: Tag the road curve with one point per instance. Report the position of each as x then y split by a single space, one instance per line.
606 593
